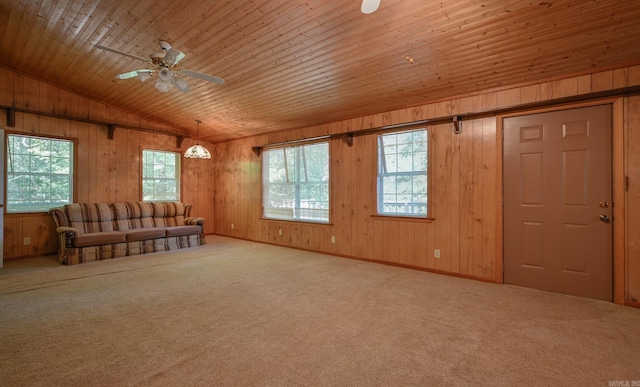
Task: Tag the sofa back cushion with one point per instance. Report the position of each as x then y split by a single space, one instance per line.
132 215
167 214
90 217
146 214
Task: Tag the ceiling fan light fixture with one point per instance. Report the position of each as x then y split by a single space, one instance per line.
163 67
165 74
144 75
182 85
197 151
163 86
369 6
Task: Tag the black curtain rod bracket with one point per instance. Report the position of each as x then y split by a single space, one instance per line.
457 124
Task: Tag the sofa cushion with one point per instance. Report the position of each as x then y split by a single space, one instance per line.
183 230
132 215
143 234
125 215
99 238
146 214
166 214
90 217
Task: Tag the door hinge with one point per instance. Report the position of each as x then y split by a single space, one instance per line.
626 183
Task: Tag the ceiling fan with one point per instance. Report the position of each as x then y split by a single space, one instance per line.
369 6
164 66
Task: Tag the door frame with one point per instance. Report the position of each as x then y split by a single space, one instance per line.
2 192
618 189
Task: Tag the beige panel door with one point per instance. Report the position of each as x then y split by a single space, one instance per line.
557 201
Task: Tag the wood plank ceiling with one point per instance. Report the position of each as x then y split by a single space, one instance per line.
292 64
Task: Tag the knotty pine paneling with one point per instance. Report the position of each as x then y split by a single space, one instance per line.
290 64
353 203
106 170
465 187
466 193
632 290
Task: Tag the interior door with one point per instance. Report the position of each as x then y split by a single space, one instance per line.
558 201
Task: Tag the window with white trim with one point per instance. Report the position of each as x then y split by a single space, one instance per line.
295 182
39 173
402 173
160 175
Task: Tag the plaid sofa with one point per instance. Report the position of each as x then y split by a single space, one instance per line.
90 232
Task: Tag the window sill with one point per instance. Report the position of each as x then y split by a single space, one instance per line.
403 218
23 214
310 222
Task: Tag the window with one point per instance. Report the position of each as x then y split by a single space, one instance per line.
295 182
160 175
402 173
39 173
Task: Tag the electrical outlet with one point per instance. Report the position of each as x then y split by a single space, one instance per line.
233 226
279 231
436 253
27 241
333 239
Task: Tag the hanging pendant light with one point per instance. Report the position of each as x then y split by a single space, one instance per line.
197 151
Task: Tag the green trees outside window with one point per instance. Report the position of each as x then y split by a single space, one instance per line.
402 173
295 182
39 173
160 175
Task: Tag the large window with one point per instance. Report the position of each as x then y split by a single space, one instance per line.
160 175
402 173
295 181
39 173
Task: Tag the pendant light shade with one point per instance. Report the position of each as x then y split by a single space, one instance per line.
197 151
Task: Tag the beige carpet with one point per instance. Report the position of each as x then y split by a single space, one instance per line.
238 313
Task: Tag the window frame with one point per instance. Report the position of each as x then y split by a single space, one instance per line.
429 178
178 157
73 174
264 164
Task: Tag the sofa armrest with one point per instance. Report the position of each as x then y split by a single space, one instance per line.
193 221
59 216
68 233
71 230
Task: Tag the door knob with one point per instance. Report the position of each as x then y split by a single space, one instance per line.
605 218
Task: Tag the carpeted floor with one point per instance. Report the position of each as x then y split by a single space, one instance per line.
239 313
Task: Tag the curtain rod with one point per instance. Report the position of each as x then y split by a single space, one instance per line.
111 127
458 118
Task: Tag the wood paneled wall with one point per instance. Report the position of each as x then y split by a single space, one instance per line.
466 178
106 170
632 149
463 192
466 186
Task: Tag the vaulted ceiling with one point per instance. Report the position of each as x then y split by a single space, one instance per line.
292 64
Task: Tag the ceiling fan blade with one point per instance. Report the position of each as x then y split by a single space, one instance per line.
122 53
369 6
132 74
205 77
173 56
